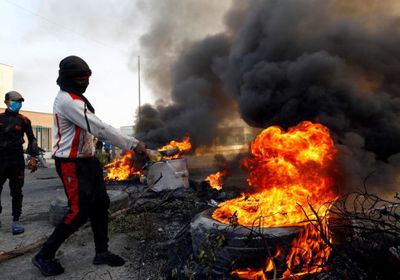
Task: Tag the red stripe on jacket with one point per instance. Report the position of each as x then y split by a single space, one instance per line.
70 180
75 143
59 135
76 97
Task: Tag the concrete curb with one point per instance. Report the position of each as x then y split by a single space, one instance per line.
118 200
59 207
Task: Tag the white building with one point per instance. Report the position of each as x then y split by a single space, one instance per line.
42 123
128 130
6 81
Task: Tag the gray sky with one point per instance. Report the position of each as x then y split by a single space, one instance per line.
36 35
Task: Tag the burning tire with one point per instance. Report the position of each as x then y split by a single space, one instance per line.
241 246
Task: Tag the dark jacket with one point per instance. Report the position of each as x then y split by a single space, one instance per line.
12 128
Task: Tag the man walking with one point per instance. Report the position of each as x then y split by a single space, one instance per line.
75 125
13 126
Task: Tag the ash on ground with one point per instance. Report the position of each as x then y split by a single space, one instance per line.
158 229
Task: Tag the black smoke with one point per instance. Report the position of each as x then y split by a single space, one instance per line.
198 101
180 53
286 61
311 60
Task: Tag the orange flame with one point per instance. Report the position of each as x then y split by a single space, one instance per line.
288 171
254 274
184 146
121 168
250 274
216 180
308 255
309 252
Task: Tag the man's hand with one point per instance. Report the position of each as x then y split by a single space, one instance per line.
140 148
33 164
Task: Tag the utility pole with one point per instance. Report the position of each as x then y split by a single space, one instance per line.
139 88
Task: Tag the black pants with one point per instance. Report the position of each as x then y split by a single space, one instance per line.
13 169
87 198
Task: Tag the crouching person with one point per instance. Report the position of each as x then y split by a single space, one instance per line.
75 125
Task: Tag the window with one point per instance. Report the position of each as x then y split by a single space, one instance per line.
43 136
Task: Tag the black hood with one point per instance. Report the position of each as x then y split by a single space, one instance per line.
72 67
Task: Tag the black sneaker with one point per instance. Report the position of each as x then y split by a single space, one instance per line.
109 259
50 267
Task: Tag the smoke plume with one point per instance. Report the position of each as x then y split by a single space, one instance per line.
289 63
335 62
180 53
175 25
282 62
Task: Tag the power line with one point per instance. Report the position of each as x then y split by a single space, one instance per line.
64 27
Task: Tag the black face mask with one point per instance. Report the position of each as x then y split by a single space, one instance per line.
73 85
82 84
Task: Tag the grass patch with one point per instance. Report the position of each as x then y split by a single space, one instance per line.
141 226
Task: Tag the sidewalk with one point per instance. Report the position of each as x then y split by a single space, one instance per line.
40 189
76 256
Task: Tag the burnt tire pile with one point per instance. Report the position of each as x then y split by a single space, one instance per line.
237 247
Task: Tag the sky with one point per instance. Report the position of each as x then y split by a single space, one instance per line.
36 35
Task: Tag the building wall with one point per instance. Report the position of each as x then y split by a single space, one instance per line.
128 130
39 118
42 125
6 81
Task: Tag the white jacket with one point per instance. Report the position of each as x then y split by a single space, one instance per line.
72 123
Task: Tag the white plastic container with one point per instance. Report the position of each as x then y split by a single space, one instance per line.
174 174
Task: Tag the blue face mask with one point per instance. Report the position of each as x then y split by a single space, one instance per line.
15 106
